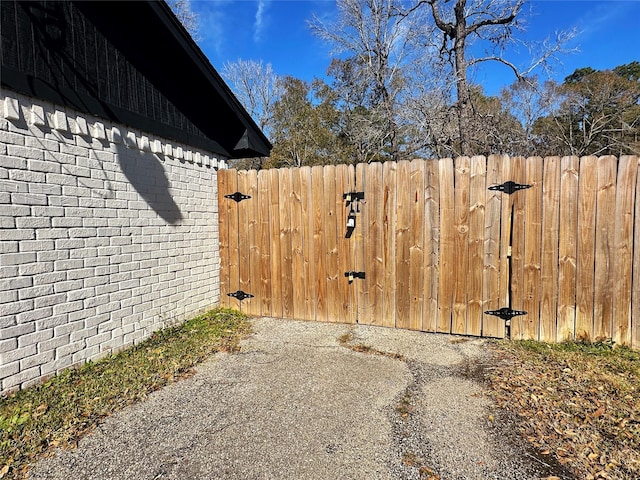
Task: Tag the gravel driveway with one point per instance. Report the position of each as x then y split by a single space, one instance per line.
295 403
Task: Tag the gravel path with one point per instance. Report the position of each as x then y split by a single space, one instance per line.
296 404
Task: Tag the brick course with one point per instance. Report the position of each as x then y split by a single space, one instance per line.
102 241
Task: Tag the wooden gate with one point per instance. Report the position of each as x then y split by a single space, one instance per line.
436 244
286 245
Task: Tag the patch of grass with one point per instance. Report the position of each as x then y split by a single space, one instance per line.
57 413
577 401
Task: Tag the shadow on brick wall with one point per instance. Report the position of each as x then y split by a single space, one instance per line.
148 177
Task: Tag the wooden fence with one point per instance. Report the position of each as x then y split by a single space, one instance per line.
438 248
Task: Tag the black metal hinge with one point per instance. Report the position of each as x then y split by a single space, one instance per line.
509 187
353 275
240 295
505 313
237 196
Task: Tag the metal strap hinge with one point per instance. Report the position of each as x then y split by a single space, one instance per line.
505 313
237 196
509 187
240 295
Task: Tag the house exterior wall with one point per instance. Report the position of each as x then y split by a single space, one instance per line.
106 235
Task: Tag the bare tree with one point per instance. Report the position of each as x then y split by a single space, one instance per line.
371 80
426 114
405 70
366 127
257 87
188 17
529 100
461 23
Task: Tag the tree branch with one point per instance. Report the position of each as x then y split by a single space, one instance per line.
496 21
515 70
448 28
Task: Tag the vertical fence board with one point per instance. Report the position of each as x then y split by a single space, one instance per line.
605 209
307 236
226 185
252 239
549 254
359 292
623 249
506 207
461 244
447 246
492 326
245 219
389 244
331 244
432 245
345 263
532 242
263 243
587 187
286 256
403 224
298 282
274 238
518 175
319 250
477 187
567 248
635 290
374 251
416 245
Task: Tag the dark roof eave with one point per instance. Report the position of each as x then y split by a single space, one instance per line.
37 88
172 61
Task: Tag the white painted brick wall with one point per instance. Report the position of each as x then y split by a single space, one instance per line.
102 241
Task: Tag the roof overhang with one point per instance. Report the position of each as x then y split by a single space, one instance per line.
170 59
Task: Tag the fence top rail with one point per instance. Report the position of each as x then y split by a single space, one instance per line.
457 159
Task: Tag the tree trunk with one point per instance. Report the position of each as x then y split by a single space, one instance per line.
463 106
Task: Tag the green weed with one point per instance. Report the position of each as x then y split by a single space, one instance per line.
58 412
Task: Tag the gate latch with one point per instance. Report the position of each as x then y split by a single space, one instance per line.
353 275
351 223
351 220
353 200
352 197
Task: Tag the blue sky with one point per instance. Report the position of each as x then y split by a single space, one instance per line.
276 32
